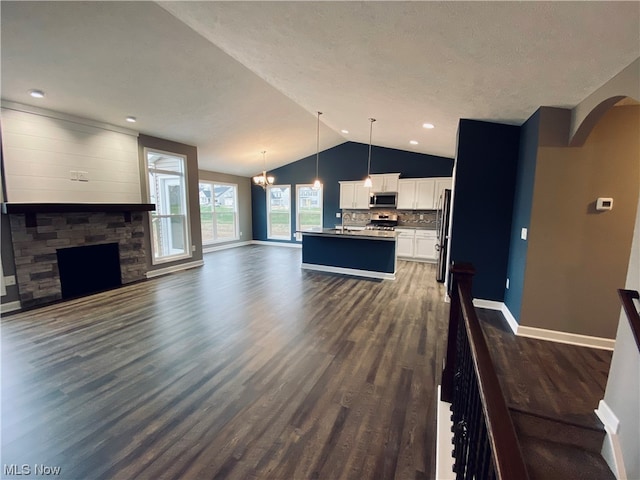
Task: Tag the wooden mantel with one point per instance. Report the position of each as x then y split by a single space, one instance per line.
31 209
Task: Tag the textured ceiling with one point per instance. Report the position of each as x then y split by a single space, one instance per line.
236 78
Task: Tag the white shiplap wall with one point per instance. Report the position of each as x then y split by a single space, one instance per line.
41 149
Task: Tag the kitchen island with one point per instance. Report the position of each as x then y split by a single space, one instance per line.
363 253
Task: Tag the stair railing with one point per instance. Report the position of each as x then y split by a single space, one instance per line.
627 297
485 443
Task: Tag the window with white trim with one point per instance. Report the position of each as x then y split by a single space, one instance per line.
218 211
308 208
279 212
167 188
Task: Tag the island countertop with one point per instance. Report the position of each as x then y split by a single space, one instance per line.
347 233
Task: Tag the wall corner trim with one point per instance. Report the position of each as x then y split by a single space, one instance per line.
11 306
608 418
544 334
611 448
174 268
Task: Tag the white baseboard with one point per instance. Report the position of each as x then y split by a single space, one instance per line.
543 333
349 271
489 304
444 441
566 337
11 306
611 448
276 244
511 320
215 248
174 268
499 306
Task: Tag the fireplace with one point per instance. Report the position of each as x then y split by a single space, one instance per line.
43 235
88 269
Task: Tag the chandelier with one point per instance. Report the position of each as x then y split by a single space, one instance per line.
264 180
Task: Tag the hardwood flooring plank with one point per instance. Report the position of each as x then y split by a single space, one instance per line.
232 370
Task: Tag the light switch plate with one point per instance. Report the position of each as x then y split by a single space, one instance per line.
523 233
338 215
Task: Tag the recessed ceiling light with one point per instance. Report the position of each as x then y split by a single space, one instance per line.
36 93
131 119
413 142
428 125
344 131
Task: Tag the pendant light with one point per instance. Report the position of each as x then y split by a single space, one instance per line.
317 185
367 182
263 180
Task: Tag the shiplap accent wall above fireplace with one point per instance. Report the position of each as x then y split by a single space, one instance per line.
50 157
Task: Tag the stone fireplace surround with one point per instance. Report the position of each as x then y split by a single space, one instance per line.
37 236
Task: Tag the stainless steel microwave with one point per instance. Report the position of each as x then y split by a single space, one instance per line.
383 199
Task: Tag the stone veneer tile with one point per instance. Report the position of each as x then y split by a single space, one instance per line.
35 249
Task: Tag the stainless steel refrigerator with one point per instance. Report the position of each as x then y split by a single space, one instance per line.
443 213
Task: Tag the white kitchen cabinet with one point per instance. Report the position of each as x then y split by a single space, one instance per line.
417 244
384 182
425 188
406 194
404 245
442 184
421 193
415 194
425 245
354 195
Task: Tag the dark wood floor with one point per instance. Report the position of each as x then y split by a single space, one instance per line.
552 390
246 368
555 380
252 368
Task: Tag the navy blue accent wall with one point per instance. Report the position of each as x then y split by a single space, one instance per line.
483 202
347 161
523 201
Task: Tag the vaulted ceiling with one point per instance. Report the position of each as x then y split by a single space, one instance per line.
236 78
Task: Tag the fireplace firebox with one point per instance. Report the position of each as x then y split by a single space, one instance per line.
89 269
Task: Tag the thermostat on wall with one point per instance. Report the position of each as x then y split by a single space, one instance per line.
604 204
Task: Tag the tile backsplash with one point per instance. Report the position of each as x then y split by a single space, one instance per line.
406 218
417 218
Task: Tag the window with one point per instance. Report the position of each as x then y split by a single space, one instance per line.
279 212
308 207
170 220
218 212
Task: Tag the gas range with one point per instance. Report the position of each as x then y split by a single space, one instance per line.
382 221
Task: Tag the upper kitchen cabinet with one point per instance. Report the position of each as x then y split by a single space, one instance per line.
441 185
386 182
354 195
421 193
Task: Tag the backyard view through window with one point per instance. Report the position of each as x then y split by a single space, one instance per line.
169 221
218 212
309 207
279 212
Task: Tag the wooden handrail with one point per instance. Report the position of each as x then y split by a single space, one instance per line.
507 457
626 297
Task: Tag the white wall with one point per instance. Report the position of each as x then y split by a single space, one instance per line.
42 148
622 394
